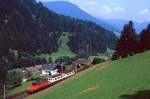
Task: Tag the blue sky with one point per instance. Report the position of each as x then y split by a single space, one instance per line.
138 10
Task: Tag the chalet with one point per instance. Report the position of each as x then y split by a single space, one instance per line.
50 69
39 67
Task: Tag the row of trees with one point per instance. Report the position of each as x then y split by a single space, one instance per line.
130 43
28 27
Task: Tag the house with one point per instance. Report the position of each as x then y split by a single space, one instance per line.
61 67
39 67
79 62
83 61
29 72
50 69
109 58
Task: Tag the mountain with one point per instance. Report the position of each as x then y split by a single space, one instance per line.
69 9
118 24
30 29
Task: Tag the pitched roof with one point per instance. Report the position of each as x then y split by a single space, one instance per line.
32 69
38 67
49 66
83 61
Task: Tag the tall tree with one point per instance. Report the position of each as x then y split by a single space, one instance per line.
145 39
127 44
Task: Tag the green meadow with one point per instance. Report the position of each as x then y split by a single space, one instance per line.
109 80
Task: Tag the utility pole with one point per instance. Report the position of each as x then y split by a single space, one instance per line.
4 91
62 67
2 84
76 68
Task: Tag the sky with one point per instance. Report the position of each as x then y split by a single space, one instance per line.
137 10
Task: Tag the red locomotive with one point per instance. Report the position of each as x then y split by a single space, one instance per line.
37 86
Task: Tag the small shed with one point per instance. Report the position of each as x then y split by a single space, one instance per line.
29 72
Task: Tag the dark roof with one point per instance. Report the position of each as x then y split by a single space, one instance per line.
83 61
39 67
31 69
49 66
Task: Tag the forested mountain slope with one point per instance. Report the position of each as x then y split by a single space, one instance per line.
29 27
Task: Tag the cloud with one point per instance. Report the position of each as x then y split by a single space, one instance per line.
119 8
99 10
144 12
106 9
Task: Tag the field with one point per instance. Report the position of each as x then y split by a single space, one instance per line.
111 80
63 49
19 89
103 55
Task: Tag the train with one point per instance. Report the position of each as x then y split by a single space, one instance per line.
39 85
42 84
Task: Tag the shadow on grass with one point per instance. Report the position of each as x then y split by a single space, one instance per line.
139 95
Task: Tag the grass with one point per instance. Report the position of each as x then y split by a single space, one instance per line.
63 49
110 80
18 89
103 55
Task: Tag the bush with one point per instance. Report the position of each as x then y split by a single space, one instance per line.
97 60
36 78
85 66
68 60
13 77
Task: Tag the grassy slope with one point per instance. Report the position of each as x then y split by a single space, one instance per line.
19 89
103 55
106 81
63 49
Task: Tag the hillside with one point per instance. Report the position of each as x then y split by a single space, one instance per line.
72 10
63 49
30 29
112 80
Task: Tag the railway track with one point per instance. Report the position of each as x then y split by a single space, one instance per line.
21 95
54 81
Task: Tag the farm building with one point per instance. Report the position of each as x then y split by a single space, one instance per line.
79 62
83 61
29 72
52 69
39 67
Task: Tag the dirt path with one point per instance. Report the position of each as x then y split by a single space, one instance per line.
91 89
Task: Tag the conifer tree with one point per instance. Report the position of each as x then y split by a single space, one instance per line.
145 39
127 44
